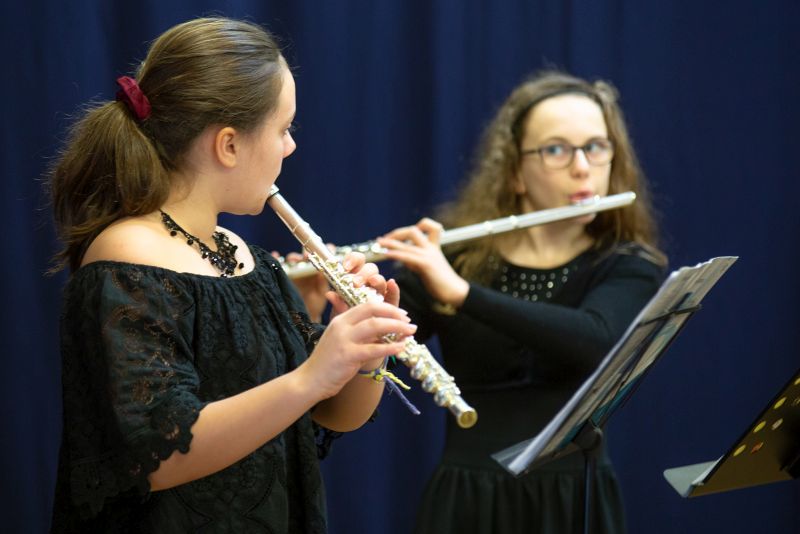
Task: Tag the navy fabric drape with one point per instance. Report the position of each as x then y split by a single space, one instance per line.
392 96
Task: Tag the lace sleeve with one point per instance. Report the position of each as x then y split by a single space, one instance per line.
129 384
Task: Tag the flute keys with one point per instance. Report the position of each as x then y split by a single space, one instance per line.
420 370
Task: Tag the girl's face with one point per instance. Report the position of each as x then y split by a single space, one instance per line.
553 129
263 152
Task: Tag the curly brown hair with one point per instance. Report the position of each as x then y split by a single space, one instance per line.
489 193
200 73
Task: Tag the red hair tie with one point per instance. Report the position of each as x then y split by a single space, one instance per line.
130 93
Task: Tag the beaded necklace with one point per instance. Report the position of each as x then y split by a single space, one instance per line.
223 259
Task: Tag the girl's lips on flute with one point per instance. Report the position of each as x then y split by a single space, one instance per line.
580 196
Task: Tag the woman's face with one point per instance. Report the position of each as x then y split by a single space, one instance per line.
554 124
265 149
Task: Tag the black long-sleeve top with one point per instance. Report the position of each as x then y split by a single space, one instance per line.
519 348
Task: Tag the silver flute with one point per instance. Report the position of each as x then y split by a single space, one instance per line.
423 366
374 252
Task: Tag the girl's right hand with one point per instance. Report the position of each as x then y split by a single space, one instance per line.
352 342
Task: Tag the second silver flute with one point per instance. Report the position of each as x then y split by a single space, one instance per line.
374 252
423 366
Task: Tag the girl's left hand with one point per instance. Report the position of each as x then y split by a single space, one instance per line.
315 291
365 274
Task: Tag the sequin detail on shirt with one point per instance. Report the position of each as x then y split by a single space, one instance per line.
531 284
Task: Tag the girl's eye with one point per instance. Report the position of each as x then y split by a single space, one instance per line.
555 150
593 148
598 146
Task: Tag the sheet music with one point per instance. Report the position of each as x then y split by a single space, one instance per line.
683 289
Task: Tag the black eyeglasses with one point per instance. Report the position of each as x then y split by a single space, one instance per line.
597 152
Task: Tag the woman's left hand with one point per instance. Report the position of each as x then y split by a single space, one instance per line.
312 288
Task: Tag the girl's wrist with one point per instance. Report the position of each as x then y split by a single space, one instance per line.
372 365
457 295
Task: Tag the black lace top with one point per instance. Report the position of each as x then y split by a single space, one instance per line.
144 349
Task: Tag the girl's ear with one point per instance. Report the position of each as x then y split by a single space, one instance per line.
226 146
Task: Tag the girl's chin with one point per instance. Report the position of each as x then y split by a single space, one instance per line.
254 207
258 207
586 219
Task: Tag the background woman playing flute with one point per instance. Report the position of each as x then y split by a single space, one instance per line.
524 317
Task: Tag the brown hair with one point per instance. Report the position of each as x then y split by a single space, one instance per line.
196 74
489 192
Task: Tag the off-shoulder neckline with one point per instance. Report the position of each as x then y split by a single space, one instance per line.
259 263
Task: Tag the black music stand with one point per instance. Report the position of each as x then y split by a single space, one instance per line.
768 451
578 426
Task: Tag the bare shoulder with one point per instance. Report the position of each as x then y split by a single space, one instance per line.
145 241
131 240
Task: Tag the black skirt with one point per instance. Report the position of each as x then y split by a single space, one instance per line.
461 499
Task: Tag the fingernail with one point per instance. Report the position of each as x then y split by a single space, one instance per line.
347 264
357 280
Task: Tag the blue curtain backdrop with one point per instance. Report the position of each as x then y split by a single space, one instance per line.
392 96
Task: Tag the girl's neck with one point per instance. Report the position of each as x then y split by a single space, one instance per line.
193 212
547 246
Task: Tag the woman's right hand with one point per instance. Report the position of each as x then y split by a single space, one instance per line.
417 247
351 342
312 288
